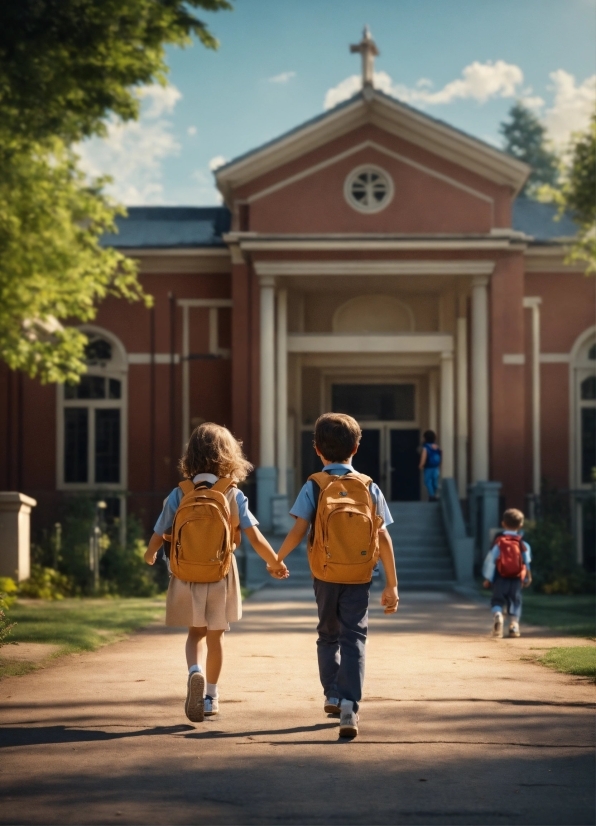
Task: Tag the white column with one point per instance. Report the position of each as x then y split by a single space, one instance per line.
15 550
447 428
533 303
479 379
433 404
282 392
185 376
267 396
462 407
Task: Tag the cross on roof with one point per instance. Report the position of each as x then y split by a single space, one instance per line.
368 49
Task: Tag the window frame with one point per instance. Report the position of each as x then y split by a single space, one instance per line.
581 368
117 368
356 205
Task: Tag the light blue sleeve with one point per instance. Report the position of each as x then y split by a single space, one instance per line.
166 517
496 553
304 506
527 554
381 505
247 519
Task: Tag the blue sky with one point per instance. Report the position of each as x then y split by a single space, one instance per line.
281 61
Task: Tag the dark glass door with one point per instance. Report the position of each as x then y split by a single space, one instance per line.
405 476
368 458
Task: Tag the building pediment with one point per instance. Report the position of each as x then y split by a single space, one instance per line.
372 107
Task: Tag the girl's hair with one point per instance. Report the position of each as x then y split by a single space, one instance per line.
212 449
430 436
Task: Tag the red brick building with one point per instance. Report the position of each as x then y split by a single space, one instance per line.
373 260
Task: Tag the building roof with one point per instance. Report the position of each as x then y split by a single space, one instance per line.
165 227
540 221
392 116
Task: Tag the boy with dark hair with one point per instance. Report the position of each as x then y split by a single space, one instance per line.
347 515
430 463
510 557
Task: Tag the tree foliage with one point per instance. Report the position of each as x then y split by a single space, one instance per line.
577 195
65 66
525 139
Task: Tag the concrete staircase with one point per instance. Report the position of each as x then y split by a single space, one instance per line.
421 551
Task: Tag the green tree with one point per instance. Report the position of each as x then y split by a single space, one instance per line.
525 139
65 66
577 195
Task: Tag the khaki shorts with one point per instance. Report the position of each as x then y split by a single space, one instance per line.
198 604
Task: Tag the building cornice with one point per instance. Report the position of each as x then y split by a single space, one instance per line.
254 242
374 267
179 260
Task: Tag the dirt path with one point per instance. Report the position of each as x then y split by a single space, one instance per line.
456 728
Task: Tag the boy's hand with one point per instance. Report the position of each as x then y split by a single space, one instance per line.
390 599
527 581
487 583
150 556
278 571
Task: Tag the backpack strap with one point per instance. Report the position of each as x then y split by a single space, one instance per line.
224 484
186 486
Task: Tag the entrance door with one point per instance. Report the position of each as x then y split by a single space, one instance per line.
405 476
388 453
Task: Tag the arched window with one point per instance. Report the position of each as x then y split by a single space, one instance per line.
373 314
92 418
583 368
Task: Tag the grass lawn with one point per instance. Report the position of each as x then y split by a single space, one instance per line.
75 625
575 615
580 661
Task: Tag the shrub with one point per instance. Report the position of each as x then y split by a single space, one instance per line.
5 625
8 589
554 568
123 570
46 583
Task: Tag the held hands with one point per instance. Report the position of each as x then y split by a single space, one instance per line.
527 581
278 570
390 599
487 583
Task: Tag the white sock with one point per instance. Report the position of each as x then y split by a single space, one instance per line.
347 706
211 690
194 668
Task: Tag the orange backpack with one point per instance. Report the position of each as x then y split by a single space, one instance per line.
344 538
202 538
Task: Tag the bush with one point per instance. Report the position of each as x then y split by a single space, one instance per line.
122 569
5 625
46 583
554 567
8 589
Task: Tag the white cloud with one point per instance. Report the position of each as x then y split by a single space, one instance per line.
216 162
572 106
478 81
132 153
192 130
284 77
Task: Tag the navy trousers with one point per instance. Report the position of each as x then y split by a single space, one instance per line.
507 592
342 628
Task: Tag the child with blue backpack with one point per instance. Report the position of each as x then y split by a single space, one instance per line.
430 463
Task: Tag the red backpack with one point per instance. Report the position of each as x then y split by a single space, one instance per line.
510 563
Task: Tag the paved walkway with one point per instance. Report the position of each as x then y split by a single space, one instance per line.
456 728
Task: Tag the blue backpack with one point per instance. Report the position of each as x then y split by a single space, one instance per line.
433 456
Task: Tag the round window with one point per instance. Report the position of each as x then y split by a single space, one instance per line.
368 189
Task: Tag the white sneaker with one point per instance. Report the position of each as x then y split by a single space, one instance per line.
331 705
498 624
348 722
194 697
514 630
211 705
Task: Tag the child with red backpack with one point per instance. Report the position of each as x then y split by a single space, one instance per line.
347 515
510 557
202 519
